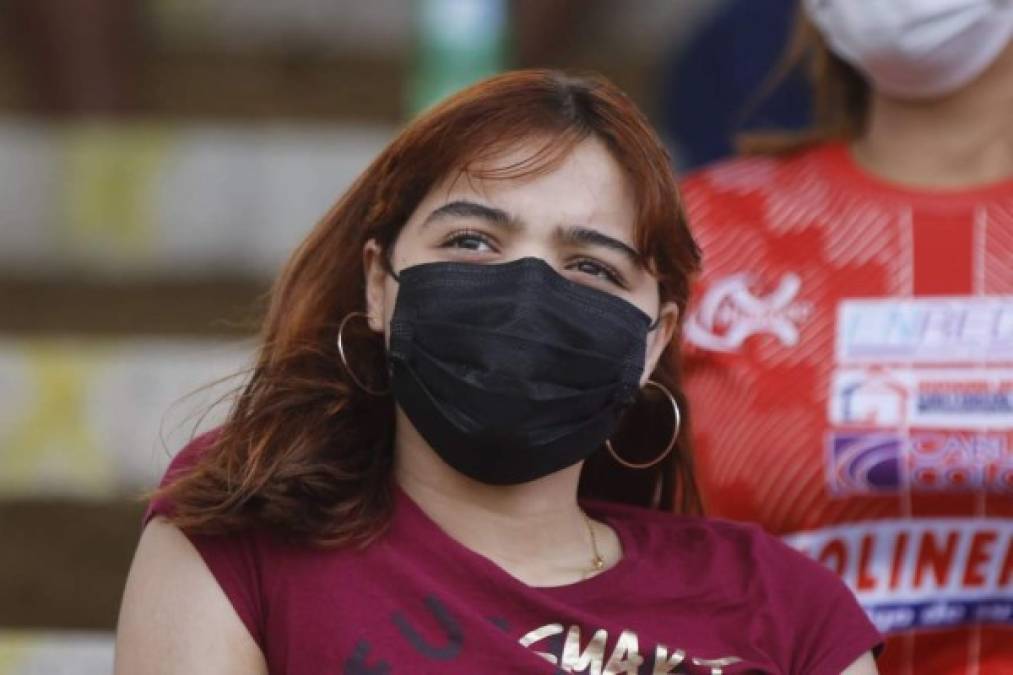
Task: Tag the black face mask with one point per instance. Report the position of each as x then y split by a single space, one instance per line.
512 372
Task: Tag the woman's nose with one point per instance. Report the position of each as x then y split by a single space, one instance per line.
535 250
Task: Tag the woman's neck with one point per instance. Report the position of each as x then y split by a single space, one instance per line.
536 531
962 140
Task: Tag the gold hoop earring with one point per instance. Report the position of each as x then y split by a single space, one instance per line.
344 359
671 442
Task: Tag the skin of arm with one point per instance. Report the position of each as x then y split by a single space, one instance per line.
175 618
865 665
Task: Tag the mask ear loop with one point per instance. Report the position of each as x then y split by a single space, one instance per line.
385 261
654 325
390 268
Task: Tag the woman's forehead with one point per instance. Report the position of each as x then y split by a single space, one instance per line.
584 184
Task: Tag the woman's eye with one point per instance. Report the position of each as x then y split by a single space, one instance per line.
470 241
598 270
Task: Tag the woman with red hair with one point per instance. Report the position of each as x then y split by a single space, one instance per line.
436 463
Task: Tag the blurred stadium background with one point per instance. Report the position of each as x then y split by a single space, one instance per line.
157 161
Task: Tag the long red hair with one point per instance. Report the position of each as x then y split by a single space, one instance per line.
306 451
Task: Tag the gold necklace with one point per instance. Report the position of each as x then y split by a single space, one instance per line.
597 561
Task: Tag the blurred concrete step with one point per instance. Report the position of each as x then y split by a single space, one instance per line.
65 304
99 419
64 561
147 200
56 653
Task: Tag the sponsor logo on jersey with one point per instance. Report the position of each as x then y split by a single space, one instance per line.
921 460
732 310
941 398
971 330
926 573
922 396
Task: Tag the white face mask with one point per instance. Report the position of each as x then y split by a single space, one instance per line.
915 48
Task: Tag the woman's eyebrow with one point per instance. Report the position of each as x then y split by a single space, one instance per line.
573 235
463 208
578 235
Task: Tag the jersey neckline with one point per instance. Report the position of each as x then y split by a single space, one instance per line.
838 160
412 521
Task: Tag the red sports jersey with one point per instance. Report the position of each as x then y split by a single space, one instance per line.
850 370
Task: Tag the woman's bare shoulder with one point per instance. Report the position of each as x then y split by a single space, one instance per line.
175 618
865 665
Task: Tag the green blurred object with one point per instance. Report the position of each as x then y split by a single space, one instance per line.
459 42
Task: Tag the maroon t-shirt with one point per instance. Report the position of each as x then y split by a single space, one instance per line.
690 595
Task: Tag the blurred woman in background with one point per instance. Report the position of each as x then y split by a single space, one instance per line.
851 337
396 488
